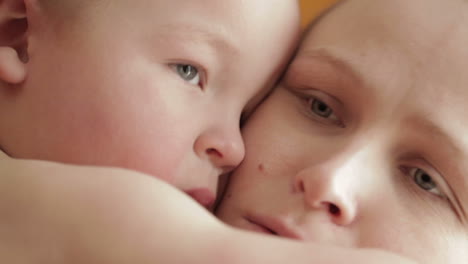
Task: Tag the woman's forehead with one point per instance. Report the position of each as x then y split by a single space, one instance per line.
405 58
411 24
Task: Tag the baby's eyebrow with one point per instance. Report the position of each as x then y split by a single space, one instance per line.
216 37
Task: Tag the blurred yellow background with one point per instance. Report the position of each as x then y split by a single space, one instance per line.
310 8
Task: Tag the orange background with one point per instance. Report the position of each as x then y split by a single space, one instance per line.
310 8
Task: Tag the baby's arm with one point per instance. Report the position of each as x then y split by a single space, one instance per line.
53 213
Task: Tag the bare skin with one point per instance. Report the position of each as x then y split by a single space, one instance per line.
155 86
79 214
57 213
363 144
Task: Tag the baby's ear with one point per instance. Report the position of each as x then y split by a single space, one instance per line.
14 24
12 69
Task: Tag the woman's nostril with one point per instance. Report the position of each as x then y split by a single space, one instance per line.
334 210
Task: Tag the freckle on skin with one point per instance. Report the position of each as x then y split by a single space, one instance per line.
261 168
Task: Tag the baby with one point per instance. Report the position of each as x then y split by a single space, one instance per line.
154 86
364 143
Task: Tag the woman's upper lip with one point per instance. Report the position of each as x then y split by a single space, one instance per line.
279 226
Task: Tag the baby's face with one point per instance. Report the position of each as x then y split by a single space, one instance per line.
364 143
155 86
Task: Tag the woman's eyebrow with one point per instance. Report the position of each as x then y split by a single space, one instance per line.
340 63
337 61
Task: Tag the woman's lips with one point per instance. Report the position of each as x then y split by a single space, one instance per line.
273 226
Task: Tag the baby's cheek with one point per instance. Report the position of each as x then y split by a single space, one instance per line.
159 158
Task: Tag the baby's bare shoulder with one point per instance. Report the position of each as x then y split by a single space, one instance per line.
84 186
63 208
22 171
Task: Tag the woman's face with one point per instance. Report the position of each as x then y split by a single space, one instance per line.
364 143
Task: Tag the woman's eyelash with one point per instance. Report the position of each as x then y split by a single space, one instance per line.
321 110
424 181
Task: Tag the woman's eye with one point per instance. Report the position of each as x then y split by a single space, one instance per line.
323 111
320 108
425 181
188 73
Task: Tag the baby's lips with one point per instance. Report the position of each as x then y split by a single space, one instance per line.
203 196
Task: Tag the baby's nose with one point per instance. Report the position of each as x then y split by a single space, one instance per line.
223 147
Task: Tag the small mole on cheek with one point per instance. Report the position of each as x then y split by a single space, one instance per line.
261 168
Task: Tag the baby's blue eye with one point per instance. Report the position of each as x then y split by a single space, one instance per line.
188 73
321 109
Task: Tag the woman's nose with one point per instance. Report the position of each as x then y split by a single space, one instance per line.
330 191
224 147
